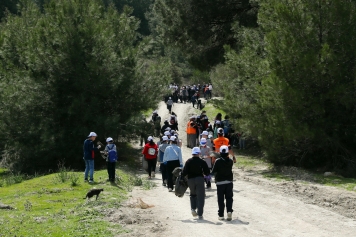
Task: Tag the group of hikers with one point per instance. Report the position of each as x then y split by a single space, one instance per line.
189 93
212 156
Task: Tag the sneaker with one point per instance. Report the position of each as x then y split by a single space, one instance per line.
221 218
85 180
170 190
201 218
163 184
153 174
91 181
149 177
194 213
229 216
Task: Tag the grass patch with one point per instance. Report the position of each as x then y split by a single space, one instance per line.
336 181
277 176
251 163
45 206
212 111
148 184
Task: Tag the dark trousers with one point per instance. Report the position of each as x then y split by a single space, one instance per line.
151 165
224 191
164 172
111 170
169 107
171 165
197 194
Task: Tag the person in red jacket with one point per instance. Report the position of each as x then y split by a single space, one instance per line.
150 152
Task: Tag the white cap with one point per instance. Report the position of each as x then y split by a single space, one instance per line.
164 138
154 112
210 136
205 133
203 141
109 139
195 151
92 134
150 138
173 138
220 130
167 133
224 149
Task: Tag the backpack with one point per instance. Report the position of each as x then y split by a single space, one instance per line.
226 126
112 154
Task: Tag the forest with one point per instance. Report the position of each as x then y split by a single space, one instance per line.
285 68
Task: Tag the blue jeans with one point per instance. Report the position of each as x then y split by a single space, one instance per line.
89 168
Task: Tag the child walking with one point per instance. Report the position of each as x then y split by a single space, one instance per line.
111 152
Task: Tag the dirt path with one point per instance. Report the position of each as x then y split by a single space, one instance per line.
260 209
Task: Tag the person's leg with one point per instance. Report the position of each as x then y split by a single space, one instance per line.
200 191
169 170
193 194
154 164
164 173
108 167
149 162
113 171
91 170
86 172
229 196
221 198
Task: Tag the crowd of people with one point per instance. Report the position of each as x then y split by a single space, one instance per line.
188 94
212 156
212 153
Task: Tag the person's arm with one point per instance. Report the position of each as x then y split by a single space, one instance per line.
215 167
165 156
156 147
92 147
206 169
231 152
180 157
185 169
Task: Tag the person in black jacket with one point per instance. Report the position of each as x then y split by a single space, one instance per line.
223 179
195 168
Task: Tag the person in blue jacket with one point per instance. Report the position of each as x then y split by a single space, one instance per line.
89 150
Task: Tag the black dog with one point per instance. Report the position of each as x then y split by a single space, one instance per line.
93 192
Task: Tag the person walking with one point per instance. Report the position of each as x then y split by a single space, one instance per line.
111 152
222 141
169 104
205 155
162 149
195 168
223 178
191 132
194 99
89 150
172 159
150 152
